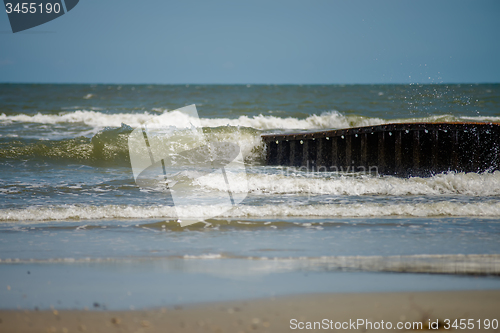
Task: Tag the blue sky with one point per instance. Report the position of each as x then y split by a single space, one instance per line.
253 41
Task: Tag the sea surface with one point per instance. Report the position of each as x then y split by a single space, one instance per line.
77 231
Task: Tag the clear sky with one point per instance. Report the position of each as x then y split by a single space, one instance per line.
254 41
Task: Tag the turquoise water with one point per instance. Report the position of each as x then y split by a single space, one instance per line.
69 202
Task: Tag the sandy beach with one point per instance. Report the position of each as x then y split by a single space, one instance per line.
354 312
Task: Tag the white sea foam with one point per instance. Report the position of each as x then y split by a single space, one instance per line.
332 119
469 184
361 196
89 118
387 208
204 256
444 208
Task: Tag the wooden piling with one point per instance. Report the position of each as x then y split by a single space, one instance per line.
416 150
435 148
334 150
381 152
398 152
395 149
348 151
283 152
454 165
364 149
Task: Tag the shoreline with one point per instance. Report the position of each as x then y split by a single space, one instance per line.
274 314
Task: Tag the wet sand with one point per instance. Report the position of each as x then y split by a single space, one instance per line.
274 314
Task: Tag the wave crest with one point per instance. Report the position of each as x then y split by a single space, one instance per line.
434 209
327 120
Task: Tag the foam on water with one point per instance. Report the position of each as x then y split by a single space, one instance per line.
326 120
110 146
66 182
291 182
66 135
270 194
487 208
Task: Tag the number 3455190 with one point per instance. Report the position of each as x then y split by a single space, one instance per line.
32 8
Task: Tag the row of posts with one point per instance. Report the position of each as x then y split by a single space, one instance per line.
390 149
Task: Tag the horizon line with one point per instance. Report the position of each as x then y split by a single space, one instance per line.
247 84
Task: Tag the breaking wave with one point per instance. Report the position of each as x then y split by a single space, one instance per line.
110 146
488 208
326 120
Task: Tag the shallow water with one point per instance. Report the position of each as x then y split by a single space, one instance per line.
148 284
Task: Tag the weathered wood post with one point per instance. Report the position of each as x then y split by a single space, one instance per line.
406 149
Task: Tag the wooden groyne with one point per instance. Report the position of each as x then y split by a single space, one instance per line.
404 149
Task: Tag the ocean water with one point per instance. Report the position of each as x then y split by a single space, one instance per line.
76 229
